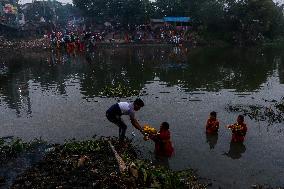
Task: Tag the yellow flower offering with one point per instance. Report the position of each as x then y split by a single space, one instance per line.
237 127
149 130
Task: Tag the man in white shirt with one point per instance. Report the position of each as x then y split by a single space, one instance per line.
115 112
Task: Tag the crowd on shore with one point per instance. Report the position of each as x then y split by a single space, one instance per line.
80 40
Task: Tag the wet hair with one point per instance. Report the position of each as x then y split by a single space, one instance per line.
242 118
165 125
139 102
214 114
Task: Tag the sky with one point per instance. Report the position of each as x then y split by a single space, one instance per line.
70 1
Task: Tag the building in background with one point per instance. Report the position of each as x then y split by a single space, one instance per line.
36 17
9 12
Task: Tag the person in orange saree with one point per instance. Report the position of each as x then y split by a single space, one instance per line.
212 125
163 144
238 129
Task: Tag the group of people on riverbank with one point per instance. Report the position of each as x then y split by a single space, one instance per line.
80 41
77 41
73 42
163 145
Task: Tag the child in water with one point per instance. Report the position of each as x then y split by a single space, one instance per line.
163 144
212 125
238 129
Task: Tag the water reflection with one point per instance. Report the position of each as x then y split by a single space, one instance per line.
191 69
212 140
236 150
14 88
215 69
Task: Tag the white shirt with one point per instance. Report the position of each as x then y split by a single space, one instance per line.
127 109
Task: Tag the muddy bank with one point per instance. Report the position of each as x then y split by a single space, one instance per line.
93 164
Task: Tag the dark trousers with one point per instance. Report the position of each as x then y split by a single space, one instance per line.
116 119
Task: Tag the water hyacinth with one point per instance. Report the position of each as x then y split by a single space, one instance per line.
119 90
80 147
280 105
150 176
92 164
74 164
272 114
10 147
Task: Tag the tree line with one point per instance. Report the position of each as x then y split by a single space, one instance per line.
236 21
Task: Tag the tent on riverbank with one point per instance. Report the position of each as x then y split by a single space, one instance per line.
179 22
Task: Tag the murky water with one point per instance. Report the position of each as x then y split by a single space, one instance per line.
57 97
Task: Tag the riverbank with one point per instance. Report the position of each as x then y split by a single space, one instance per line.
94 164
43 43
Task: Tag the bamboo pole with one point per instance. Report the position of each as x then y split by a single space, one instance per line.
121 163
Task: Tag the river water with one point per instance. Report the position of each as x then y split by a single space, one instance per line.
57 97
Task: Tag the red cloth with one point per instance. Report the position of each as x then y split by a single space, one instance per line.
212 125
81 47
163 144
238 132
71 48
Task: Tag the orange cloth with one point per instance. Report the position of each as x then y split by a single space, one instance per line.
212 125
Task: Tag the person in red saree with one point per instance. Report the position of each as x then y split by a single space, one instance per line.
163 144
212 125
238 129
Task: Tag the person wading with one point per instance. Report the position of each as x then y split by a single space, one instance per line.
115 112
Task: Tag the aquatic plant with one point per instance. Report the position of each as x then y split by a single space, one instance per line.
119 90
11 147
272 114
148 175
80 147
92 164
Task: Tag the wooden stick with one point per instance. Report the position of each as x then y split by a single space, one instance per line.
121 163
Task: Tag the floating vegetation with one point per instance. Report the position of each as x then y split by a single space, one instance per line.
80 148
10 147
119 90
92 164
75 164
272 114
146 175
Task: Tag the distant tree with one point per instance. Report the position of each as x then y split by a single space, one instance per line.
241 21
254 21
125 12
37 10
172 7
64 13
136 12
